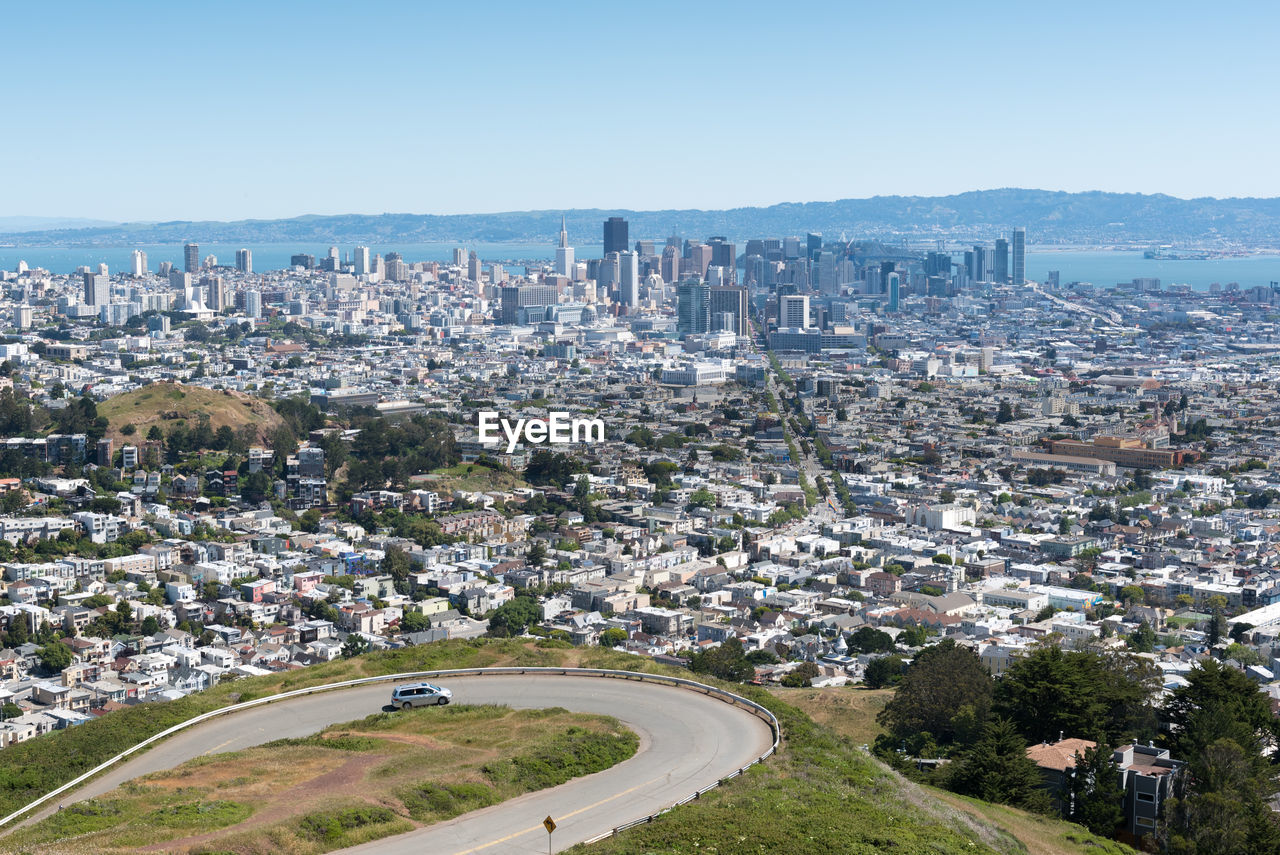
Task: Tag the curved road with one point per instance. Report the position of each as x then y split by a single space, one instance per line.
687 741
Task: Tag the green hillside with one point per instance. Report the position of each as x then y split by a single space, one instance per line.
171 404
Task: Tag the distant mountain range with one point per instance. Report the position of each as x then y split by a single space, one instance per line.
1049 217
14 225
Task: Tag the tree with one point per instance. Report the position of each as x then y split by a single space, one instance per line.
944 680
802 676
1143 639
1220 805
414 622
702 498
883 671
867 639
355 645
1219 702
997 769
613 636
1097 799
513 617
1132 594
54 657
1078 693
150 626
396 564
537 554
726 662
1004 414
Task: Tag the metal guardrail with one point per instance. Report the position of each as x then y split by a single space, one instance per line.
679 682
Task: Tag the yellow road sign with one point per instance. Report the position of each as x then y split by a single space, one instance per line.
550 824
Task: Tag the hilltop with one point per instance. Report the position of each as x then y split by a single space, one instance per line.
169 404
1049 217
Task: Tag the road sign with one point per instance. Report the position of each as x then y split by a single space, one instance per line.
549 824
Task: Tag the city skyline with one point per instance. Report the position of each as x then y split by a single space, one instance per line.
877 102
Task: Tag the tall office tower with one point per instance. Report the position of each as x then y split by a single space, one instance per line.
813 245
139 267
215 292
755 246
1000 269
179 281
670 267
609 273
893 292
791 248
244 260
725 254
693 308
564 253
191 258
497 274
646 249
306 262
937 264
753 267
253 304
519 302
361 260
1019 256
615 235
459 256
97 289
978 261
629 278
699 259
824 269
473 266
731 301
793 311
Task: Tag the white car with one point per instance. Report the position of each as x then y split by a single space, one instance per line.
413 695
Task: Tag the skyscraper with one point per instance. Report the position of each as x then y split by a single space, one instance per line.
564 252
893 292
725 254
244 260
615 235
793 311
97 289
731 301
629 278
1000 266
191 258
693 308
814 244
253 304
139 263
362 260
1019 256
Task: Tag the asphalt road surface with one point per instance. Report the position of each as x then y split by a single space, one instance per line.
687 741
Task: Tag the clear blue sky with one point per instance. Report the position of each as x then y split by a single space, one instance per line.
259 110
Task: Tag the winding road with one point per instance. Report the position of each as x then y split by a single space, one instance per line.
688 741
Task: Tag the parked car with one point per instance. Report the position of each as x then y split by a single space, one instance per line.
420 695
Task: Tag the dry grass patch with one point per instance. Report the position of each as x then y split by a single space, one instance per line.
849 712
354 782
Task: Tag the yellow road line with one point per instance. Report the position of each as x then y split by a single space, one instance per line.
539 826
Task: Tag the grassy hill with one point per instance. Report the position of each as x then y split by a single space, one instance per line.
169 404
351 783
821 793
